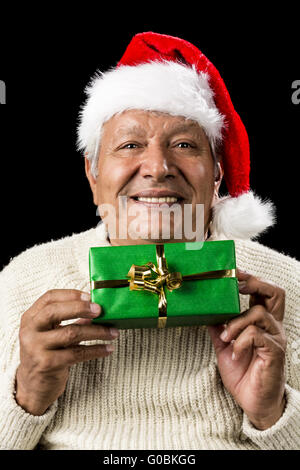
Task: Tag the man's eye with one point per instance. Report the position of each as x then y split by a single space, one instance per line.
184 145
130 146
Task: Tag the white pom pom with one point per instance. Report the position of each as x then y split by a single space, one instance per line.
243 217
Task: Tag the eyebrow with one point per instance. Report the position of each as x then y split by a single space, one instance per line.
182 128
177 129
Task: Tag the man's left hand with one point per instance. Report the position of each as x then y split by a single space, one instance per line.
250 352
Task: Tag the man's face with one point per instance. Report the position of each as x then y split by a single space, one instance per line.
154 161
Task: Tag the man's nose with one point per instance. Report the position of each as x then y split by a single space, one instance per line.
158 164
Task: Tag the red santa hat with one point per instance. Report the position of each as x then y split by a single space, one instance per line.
168 74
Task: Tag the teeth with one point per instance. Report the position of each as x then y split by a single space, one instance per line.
158 199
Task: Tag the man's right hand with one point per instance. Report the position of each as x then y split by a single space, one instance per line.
48 349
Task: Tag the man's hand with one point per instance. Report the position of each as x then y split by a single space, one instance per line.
48 349
250 352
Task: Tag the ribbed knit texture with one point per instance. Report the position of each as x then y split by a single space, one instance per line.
159 389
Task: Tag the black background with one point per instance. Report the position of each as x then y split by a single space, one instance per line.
47 59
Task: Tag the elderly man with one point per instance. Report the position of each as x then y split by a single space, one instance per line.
158 129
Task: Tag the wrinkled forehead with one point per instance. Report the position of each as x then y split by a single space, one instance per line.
149 123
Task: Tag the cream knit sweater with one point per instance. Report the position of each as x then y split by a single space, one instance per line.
159 389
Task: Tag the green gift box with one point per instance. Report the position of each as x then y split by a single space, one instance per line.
150 286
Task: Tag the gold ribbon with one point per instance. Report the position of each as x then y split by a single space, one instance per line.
141 278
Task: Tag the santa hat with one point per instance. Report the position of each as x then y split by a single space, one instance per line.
168 74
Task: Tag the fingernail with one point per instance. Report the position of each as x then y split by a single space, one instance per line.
85 296
242 285
233 356
224 335
114 332
110 347
242 271
95 308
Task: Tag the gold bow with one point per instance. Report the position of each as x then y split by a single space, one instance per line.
141 278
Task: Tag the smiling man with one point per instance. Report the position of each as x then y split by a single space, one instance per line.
158 132
154 161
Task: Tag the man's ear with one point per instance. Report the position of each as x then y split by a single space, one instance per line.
218 176
91 179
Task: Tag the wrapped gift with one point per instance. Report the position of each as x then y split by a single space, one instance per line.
166 285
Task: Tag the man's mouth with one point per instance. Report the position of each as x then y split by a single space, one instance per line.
155 198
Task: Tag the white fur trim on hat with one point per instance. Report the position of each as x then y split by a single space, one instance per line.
166 86
242 217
